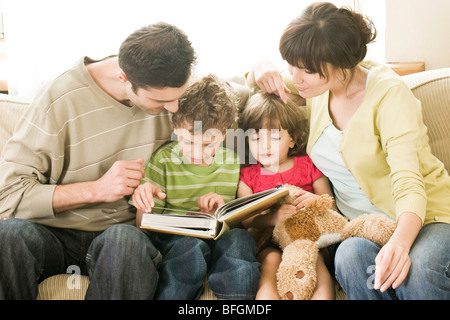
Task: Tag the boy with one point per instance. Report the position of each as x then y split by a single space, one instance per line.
193 173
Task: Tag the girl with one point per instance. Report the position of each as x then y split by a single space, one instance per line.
277 135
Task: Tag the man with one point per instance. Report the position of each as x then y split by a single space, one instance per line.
67 173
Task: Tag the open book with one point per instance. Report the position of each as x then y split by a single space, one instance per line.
207 226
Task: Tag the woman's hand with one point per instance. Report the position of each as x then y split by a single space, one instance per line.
266 76
391 266
392 262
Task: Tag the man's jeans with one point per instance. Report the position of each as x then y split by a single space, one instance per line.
230 263
428 277
121 261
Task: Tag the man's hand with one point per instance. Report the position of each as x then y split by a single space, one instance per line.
120 180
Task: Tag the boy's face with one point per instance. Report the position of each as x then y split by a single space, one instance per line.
199 148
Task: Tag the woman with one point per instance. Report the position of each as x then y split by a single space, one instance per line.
368 137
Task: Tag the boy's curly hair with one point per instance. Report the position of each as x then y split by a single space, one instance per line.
210 101
263 109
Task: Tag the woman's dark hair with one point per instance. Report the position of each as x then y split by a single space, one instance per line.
327 34
159 55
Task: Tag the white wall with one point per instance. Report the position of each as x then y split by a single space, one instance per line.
45 37
418 30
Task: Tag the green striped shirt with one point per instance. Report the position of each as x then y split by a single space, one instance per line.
183 182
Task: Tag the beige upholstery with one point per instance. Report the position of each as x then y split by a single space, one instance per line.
431 87
63 287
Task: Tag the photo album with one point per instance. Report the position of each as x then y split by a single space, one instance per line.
203 225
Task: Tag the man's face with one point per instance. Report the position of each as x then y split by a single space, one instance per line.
154 100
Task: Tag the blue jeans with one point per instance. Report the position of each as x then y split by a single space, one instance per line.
230 263
428 277
121 261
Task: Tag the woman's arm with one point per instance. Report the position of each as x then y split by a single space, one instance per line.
401 134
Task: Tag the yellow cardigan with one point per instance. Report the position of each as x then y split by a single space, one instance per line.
385 147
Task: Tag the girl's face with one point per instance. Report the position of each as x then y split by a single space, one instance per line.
309 84
270 147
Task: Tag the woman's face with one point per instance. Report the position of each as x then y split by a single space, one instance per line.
309 84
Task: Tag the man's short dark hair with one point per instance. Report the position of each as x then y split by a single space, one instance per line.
159 55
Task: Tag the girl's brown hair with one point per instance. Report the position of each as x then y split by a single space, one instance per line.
263 109
327 34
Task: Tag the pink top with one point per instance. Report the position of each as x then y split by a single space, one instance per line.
302 175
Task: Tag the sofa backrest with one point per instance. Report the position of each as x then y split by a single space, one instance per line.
11 109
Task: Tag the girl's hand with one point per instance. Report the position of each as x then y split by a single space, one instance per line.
209 202
143 196
284 211
303 198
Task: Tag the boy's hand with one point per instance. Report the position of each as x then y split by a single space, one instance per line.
303 198
209 202
143 196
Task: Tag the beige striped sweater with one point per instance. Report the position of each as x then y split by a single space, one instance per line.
74 132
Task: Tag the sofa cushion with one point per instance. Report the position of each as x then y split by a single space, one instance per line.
63 287
432 88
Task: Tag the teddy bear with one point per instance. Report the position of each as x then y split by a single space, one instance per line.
302 234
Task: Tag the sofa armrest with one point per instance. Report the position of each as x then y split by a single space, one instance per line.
432 88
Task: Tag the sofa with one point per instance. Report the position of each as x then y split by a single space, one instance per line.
431 87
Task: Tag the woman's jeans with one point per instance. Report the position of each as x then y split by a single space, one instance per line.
229 262
120 261
428 277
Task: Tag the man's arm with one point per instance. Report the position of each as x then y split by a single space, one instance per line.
119 181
